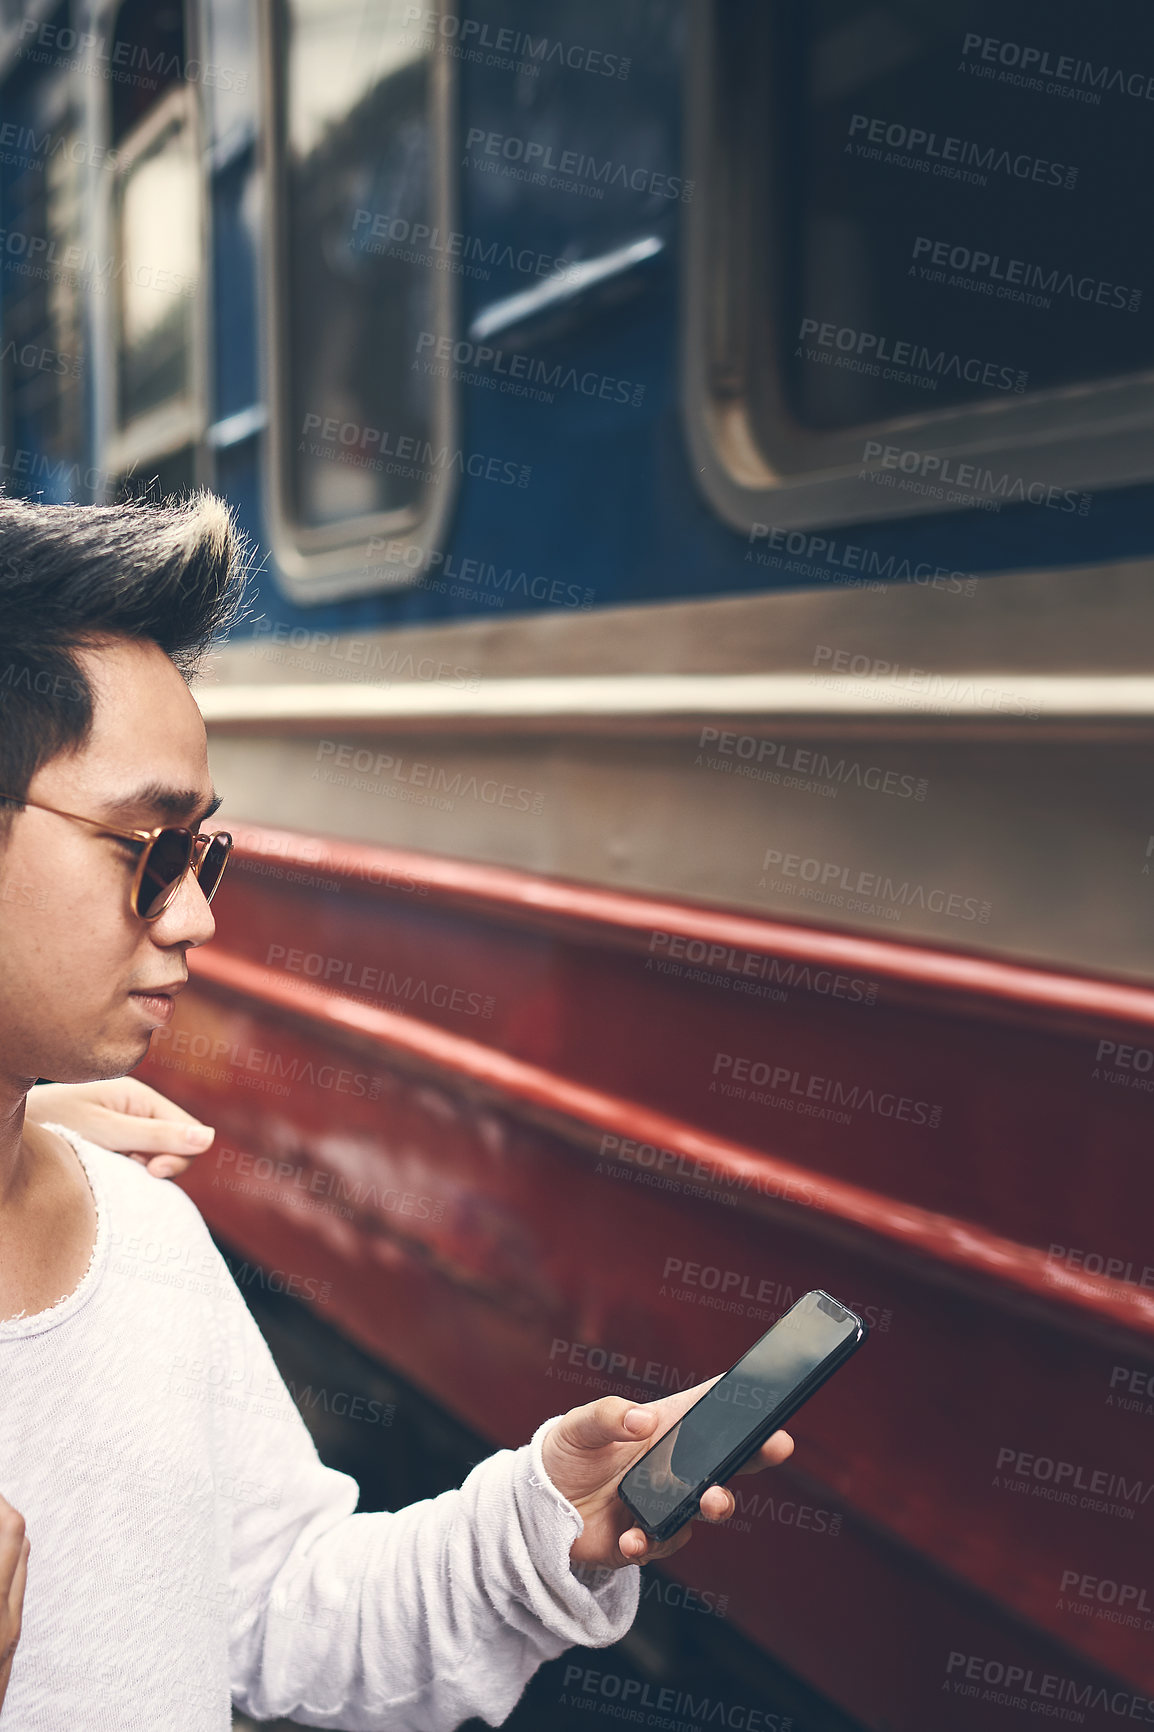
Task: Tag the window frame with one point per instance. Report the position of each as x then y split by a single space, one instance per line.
19 86
332 561
179 424
1087 435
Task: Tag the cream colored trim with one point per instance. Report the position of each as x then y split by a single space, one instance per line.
1026 704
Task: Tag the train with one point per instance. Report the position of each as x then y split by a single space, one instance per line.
688 749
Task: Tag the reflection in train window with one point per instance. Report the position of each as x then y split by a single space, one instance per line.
918 233
357 184
158 244
149 52
935 203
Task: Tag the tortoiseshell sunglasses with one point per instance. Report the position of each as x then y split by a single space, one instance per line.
167 853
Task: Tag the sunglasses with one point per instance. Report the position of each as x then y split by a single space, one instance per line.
167 852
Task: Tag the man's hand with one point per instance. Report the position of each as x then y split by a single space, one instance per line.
14 1550
589 1451
127 1116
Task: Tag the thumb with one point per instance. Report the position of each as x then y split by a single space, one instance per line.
610 1420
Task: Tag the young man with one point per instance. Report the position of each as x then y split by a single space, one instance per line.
188 1548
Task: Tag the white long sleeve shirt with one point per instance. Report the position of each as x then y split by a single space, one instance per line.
189 1548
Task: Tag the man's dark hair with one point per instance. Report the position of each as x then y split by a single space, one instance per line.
72 576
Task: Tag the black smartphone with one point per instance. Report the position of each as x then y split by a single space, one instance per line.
733 1419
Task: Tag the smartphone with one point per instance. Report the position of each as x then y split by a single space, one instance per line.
734 1418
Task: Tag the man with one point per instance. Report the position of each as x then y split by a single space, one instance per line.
187 1546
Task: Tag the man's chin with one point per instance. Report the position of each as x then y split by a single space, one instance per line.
137 1055
107 1065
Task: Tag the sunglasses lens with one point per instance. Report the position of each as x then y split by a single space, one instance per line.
167 862
212 863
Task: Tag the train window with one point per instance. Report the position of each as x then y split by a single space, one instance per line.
913 233
157 229
358 120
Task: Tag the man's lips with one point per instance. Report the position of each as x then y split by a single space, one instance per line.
160 1003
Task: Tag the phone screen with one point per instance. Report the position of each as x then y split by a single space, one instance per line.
689 1455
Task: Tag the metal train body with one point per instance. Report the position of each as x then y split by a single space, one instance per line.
691 791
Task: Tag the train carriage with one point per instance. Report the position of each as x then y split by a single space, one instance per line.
688 748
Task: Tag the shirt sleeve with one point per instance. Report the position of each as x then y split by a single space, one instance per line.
418 1618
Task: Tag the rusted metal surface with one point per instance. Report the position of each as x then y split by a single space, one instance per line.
474 1123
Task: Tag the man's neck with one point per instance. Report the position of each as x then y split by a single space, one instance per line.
48 1217
14 1148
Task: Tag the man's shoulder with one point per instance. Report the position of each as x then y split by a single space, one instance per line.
138 1203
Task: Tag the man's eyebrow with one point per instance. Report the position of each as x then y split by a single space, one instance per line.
185 804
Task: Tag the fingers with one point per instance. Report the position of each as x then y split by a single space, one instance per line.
717 1504
138 1100
610 1420
177 1141
636 1547
183 1137
129 1116
163 1166
11 1539
615 1420
152 1125
775 1450
19 1583
633 1544
15 1548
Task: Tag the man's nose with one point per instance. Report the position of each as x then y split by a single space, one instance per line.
188 919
